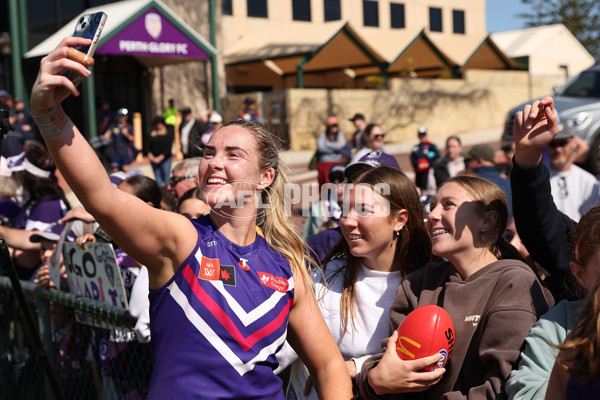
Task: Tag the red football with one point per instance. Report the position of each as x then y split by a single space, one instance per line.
425 331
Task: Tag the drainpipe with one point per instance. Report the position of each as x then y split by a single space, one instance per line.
23 25
300 73
16 52
90 105
213 61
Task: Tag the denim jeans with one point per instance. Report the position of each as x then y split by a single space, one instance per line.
162 172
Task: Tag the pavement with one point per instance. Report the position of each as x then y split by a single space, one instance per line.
297 161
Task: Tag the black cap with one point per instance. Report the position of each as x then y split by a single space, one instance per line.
357 116
186 110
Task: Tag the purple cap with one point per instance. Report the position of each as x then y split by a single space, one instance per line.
21 163
117 177
377 159
52 232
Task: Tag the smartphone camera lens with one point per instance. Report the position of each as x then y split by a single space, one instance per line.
83 25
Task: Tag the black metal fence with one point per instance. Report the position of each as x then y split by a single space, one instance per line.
101 359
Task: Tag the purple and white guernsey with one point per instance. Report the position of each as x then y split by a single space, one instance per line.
217 324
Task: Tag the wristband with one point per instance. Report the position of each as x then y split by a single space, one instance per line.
53 122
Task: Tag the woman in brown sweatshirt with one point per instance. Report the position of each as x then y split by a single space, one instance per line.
493 303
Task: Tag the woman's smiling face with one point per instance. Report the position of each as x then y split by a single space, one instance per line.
454 221
367 225
230 172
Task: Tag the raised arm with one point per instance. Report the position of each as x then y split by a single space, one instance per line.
544 230
18 238
158 239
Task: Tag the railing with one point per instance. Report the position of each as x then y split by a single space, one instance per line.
103 361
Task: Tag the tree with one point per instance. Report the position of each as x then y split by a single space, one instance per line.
581 17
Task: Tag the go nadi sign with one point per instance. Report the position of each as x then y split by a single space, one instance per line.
153 34
93 273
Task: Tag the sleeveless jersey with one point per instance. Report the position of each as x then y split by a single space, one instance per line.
218 322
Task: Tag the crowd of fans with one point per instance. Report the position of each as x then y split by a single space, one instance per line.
505 240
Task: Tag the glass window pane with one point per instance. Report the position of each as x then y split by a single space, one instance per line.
397 15
435 19
301 10
257 8
458 17
332 10
370 13
226 7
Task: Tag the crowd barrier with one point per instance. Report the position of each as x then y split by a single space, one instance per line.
98 359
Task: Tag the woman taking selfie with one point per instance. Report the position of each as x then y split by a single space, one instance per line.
221 297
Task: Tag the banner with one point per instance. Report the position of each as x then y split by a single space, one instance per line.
94 273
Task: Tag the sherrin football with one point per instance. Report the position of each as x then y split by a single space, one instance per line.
425 331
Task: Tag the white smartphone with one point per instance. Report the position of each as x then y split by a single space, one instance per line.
88 26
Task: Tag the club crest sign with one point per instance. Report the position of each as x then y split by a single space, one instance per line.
153 25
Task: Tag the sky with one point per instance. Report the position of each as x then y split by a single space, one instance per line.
501 15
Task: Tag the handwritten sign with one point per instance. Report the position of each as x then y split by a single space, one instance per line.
94 273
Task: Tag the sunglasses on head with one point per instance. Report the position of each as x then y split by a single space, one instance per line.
558 143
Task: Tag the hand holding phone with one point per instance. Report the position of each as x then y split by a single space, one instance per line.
88 26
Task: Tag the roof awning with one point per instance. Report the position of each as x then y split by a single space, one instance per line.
344 52
145 29
421 56
474 52
488 56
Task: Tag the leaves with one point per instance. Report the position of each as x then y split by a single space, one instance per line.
581 17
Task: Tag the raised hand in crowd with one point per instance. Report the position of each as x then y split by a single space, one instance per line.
533 129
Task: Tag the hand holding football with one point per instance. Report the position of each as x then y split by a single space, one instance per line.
425 331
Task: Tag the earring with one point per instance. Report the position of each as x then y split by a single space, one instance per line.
482 233
398 231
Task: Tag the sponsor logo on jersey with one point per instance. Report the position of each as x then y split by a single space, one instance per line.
227 275
274 282
243 263
210 269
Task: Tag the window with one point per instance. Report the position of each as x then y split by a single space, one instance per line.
397 15
333 10
257 8
370 13
435 19
458 18
301 10
226 7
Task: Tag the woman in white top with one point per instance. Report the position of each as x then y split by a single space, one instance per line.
384 238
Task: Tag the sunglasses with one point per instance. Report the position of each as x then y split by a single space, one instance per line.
176 179
558 143
333 125
380 136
